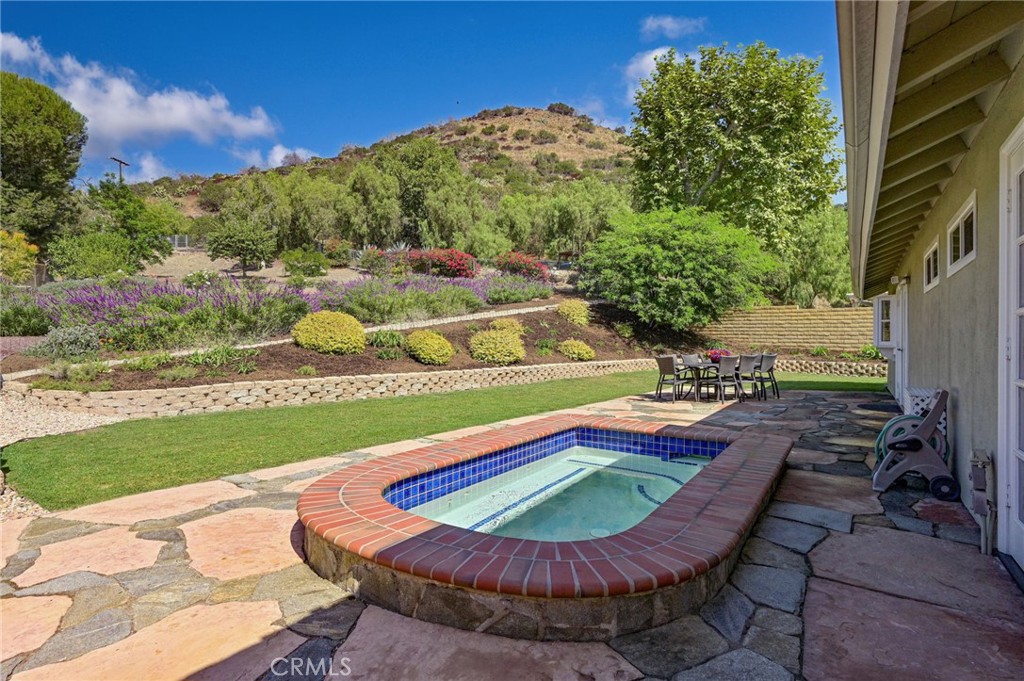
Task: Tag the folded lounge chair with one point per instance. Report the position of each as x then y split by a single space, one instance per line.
915 443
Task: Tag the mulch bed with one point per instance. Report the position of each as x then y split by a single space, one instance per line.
281 361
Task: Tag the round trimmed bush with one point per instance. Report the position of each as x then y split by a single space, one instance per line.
509 324
336 333
497 347
429 347
575 312
577 350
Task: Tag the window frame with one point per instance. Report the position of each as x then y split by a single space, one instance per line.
879 303
968 208
934 248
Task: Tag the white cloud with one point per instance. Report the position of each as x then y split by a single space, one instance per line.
119 110
146 168
671 27
274 158
640 67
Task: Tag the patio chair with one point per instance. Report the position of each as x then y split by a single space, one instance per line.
670 373
728 375
915 444
764 375
748 365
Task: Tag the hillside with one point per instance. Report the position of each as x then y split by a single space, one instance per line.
542 146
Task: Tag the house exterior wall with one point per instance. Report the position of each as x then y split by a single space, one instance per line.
953 328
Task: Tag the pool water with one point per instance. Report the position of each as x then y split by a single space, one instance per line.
577 493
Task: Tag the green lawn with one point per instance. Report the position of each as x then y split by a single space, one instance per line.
65 471
819 382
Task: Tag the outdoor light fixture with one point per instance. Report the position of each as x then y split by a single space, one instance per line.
895 281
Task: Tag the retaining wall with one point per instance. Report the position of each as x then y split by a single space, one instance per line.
787 327
205 399
813 366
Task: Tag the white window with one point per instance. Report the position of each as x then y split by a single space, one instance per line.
883 322
931 267
962 237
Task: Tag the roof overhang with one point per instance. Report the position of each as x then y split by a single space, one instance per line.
918 79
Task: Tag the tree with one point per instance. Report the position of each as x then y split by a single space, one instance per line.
17 256
373 213
420 166
820 261
245 241
261 200
292 159
41 140
744 133
677 269
122 211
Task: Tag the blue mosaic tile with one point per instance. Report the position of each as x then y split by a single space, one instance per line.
420 489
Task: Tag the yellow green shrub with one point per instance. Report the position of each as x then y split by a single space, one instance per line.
577 350
497 347
330 332
575 312
510 324
429 347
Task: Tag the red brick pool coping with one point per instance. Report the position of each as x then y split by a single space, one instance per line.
692 532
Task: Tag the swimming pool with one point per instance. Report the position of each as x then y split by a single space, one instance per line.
541 530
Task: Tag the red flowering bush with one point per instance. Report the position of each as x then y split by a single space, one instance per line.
522 264
443 262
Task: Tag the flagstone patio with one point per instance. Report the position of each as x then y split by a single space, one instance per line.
837 582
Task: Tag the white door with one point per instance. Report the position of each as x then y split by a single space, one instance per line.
1011 461
899 332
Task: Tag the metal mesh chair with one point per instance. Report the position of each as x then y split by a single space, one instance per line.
670 373
764 376
728 375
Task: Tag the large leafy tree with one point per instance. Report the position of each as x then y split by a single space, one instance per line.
245 241
677 269
41 140
744 132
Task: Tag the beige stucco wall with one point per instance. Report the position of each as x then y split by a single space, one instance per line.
953 328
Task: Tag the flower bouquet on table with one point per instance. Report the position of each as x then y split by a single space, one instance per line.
716 355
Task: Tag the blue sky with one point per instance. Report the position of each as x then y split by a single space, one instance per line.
215 87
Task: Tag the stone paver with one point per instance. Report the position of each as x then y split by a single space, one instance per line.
242 542
840 493
739 665
214 642
932 570
763 552
778 648
855 634
799 455
106 552
159 504
797 536
388 646
28 622
9 531
728 612
776 588
324 462
812 515
947 512
672 647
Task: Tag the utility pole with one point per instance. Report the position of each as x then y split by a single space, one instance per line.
120 167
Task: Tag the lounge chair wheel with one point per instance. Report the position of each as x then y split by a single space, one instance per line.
945 488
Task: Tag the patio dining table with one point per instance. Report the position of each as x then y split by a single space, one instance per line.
701 369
